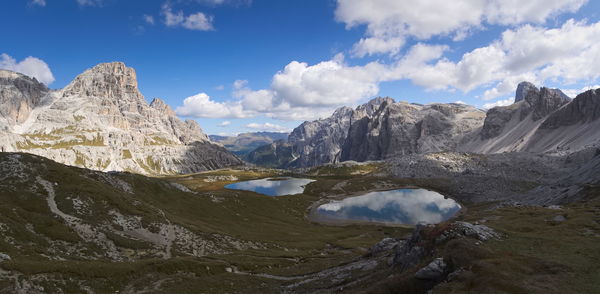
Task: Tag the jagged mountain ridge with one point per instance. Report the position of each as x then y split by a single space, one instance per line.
379 129
101 121
541 120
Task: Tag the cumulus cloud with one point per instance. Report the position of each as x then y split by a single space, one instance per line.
528 51
202 106
196 21
504 102
569 53
390 22
268 127
574 92
31 66
225 124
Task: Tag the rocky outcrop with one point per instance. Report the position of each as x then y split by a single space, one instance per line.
523 89
19 94
101 121
543 102
540 120
584 108
321 141
530 103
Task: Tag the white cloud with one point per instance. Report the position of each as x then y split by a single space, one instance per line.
221 2
31 66
574 92
225 124
390 22
220 87
90 2
196 21
504 102
268 127
149 19
298 92
202 106
569 54
372 45
41 3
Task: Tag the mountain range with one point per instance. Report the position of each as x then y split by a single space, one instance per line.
541 120
101 121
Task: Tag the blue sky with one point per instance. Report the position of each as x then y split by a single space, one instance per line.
346 51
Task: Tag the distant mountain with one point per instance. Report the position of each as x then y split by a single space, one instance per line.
101 121
243 143
540 121
275 155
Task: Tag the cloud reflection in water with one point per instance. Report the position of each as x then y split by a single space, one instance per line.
405 206
270 187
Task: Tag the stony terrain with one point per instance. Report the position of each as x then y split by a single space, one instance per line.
71 230
540 121
101 121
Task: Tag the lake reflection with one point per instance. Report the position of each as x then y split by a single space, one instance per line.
273 187
404 206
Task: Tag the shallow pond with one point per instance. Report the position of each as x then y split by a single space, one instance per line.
404 206
273 186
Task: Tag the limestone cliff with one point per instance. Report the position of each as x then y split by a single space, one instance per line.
101 121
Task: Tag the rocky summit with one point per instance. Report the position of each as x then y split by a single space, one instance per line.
101 121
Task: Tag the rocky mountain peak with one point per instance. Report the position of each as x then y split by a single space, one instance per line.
162 107
523 89
107 80
101 121
19 94
545 101
374 104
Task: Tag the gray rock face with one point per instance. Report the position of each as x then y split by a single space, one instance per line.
381 129
530 102
545 120
523 89
435 270
545 101
583 109
101 121
480 232
540 121
19 94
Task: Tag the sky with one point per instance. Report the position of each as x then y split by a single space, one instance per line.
268 65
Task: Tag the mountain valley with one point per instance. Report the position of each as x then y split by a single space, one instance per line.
103 192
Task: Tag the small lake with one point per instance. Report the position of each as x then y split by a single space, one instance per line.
273 186
404 206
